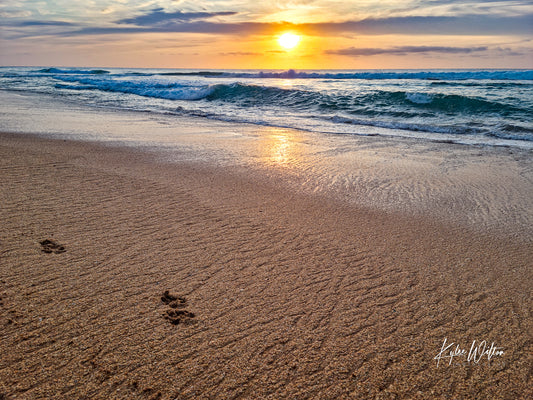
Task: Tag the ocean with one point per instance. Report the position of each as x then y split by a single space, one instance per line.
475 107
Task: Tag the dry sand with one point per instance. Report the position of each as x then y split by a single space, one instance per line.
278 295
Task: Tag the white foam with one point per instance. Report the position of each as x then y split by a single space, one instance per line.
419 98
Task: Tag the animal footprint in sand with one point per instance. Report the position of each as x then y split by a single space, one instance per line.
49 246
176 316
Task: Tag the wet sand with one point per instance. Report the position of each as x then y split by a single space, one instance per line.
272 292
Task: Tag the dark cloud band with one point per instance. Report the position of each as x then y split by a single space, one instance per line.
404 50
159 17
158 21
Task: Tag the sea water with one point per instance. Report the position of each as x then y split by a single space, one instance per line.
481 107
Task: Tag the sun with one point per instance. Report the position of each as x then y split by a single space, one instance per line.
288 40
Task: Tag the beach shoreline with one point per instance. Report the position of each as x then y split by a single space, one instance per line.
484 188
286 293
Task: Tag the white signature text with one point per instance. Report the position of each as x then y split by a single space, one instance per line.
477 351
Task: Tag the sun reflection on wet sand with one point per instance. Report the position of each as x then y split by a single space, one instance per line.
280 148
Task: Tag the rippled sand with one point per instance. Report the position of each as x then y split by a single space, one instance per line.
276 289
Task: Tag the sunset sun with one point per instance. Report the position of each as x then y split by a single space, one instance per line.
288 40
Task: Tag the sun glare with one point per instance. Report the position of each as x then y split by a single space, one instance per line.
288 40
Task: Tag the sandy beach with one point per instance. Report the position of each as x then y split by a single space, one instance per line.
182 280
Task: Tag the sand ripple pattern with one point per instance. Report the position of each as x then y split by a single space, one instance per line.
292 298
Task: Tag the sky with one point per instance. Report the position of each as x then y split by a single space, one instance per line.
228 34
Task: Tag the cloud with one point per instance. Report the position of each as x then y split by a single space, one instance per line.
404 50
240 53
466 25
424 25
158 17
45 23
463 25
240 28
446 2
37 23
159 21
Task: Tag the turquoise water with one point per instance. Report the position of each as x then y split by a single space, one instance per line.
493 107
